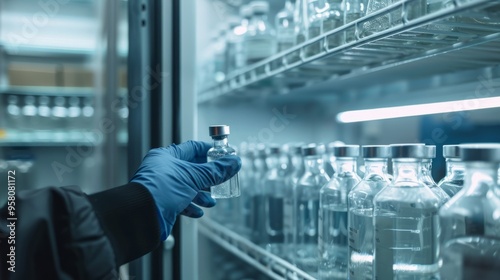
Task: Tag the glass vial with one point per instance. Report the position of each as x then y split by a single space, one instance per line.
470 240
317 10
221 148
353 10
426 175
360 219
285 26
306 204
333 232
453 182
334 19
274 186
260 39
257 209
297 171
406 221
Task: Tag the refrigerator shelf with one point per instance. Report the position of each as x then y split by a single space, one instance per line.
470 27
254 255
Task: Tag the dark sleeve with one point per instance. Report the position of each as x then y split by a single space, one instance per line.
61 233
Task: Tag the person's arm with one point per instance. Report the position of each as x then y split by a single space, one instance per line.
63 233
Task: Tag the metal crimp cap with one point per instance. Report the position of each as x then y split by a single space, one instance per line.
346 151
416 150
273 149
430 151
218 130
313 149
488 152
376 151
451 151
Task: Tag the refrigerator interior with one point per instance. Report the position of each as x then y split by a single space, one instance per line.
265 103
63 106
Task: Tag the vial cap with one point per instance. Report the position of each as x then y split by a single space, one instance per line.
451 151
313 149
260 151
376 151
430 151
334 144
416 150
261 7
273 149
346 151
292 148
218 130
488 152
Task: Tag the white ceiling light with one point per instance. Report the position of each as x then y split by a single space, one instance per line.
418 110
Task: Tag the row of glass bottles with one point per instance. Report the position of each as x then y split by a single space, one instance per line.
342 227
251 37
27 114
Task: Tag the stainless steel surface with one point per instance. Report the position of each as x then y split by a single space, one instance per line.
408 151
430 151
480 152
218 130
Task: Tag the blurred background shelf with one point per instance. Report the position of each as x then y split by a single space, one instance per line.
397 52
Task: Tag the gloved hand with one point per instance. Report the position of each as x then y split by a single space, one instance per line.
178 176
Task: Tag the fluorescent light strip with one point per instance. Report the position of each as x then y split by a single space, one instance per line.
418 110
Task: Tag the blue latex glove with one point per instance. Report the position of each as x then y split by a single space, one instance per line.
179 177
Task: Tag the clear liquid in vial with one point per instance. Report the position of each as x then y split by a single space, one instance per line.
406 243
333 243
361 244
306 251
229 188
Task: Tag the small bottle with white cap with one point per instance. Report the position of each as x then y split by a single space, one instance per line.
221 148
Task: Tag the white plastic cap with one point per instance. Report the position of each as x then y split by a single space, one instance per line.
259 7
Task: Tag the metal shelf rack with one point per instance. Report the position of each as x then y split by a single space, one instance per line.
468 32
254 255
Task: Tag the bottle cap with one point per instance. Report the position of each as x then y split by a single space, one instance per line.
293 148
430 151
376 151
313 149
331 145
346 151
416 150
273 149
488 152
451 151
218 130
260 151
259 7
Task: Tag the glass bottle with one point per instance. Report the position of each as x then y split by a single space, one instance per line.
333 233
360 219
453 182
59 115
219 59
13 113
330 157
426 175
44 114
74 114
29 112
334 19
470 240
285 26
317 10
300 18
260 39
241 31
353 10
233 41
221 148
306 204
298 169
257 209
246 177
274 186
406 221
